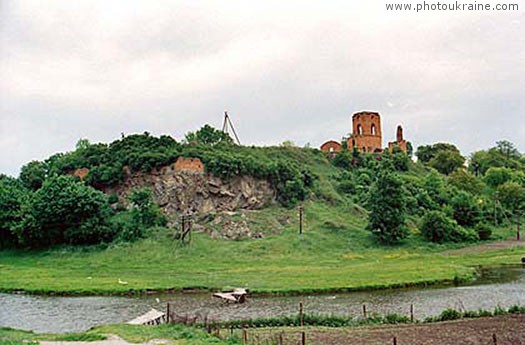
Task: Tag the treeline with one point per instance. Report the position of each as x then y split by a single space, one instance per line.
447 199
48 206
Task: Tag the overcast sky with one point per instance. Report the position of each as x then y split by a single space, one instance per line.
293 71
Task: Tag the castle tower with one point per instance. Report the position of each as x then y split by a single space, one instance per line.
366 132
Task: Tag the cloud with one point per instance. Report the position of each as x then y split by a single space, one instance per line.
293 70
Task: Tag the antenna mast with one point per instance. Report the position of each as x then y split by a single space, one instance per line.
228 124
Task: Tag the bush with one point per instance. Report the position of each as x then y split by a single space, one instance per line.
65 211
484 231
465 210
144 214
439 228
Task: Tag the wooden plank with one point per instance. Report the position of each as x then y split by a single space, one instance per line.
151 316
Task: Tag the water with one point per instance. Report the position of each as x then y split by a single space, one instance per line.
502 286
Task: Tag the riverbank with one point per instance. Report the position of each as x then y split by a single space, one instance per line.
501 329
335 253
321 260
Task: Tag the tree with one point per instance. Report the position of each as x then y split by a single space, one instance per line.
33 174
208 136
65 211
447 161
466 181
508 150
426 153
388 209
12 198
495 177
512 196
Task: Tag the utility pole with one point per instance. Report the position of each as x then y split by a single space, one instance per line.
227 123
301 211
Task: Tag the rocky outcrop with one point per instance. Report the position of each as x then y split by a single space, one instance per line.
193 192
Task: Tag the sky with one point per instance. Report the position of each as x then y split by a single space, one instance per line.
284 70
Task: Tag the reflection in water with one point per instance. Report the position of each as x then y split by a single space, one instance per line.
499 287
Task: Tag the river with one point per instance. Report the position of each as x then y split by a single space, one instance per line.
502 286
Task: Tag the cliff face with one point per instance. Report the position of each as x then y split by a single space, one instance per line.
196 192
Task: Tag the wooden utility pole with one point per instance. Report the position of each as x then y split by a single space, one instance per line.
227 123
301 211
518 230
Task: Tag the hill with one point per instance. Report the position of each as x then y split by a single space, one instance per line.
61 217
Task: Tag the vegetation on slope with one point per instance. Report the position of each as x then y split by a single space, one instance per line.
354 203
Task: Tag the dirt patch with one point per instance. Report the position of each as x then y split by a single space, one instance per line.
112 340
508 329
510 243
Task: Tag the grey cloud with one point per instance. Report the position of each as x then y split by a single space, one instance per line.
283 71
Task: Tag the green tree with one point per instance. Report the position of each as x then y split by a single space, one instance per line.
65 211
512 196
466 181
208 136
495 176
388 209
12 198
426 153
33 174
447 161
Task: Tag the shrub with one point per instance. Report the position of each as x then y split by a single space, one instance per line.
465 209
439 228
484 231
449 314
65 211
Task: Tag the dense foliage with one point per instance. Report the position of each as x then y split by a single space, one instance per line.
387 206
439 195
65 211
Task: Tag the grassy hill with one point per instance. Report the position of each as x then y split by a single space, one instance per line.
335 252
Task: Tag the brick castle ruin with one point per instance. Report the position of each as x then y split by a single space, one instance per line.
366 135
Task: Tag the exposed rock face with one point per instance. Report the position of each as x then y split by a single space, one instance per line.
194 192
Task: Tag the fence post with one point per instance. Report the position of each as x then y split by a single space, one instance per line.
411 312
303 338
281 338
244 335
494 339
168 312
301 321
364 311
394 341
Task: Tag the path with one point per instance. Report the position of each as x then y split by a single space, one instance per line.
506 244
112 340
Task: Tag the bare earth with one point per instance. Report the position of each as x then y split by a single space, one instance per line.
112 340
510 243
509 330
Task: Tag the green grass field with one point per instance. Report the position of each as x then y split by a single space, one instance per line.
334 253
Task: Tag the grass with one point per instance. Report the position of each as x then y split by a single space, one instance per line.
131 333
334 253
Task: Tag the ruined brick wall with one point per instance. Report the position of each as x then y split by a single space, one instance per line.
400 141
188 164
81 173
366 132
331 146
